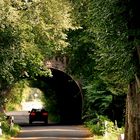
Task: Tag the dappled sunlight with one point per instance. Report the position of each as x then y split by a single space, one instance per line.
54 130
32 99
52 138
55 133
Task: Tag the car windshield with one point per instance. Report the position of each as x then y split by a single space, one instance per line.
38 110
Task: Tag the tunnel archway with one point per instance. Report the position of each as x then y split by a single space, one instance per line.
69 95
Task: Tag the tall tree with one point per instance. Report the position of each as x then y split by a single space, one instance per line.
115 28
30 31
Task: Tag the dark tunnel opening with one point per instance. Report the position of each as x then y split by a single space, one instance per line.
68 94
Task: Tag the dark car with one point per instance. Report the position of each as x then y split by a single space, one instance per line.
38 115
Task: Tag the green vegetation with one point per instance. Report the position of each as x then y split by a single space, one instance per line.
104 94
103 129
104 53
8 130
101 41
15 96
30 33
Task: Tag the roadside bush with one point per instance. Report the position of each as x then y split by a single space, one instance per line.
97 125
112 129
5 127
7 130
104 127
97 129
14 130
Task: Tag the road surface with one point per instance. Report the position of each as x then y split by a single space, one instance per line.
20 117
38 131
54 133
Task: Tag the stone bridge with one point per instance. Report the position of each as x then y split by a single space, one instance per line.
67 90
58 63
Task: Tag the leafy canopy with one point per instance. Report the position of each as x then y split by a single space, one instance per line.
30 32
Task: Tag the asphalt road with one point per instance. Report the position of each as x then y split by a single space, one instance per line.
20 117
53 133
38 131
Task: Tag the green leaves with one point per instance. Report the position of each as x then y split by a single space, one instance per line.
97 98
49 21
114 52
106 24
30 32
100 54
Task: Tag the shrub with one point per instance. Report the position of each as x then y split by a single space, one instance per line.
7 130
101 126
97 125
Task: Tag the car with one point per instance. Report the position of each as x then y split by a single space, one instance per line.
38 115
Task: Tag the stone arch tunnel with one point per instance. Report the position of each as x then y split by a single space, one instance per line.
68 93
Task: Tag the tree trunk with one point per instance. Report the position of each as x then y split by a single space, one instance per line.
126 119
132 123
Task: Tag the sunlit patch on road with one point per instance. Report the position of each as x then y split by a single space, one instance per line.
73 132
51 138
54 130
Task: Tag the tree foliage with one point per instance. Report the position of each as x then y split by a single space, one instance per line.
100 52
114 26
30 32
106 25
